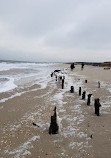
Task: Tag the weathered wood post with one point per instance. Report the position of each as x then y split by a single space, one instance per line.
56 77
52 74
97 106
84 95
60 77
89 99
53 129
98 84
79 91
62 83
85 81
72 89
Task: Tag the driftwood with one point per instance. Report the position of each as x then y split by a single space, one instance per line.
35 124
57 70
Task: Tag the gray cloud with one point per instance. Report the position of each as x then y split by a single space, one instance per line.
49 30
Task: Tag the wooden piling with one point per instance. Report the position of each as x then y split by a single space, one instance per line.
62 83
85 81
97 105
72 89
98 84
53 129
79 91
84 95
89 99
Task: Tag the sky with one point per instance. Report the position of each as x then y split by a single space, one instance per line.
55 30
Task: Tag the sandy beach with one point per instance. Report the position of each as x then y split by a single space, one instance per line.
82 134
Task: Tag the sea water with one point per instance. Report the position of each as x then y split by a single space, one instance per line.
22 74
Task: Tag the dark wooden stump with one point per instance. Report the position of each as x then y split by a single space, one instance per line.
84 95
72 89
85 81
97 105
79 91
51 74
98 84
56 78
89 99
62 83
53 129
60 78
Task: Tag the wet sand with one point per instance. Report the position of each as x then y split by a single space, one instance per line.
82 134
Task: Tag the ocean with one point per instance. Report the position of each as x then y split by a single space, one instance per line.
16 75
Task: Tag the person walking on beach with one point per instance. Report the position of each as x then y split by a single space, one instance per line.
82 66
72 66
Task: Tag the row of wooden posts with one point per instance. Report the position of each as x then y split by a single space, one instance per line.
96 102
53 129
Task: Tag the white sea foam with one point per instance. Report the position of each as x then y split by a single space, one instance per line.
70 81
59 97
23 149
106 85
106 107
16 95
24 74
14 127
81 135
43 86
7 85
15 65
43 82
59 120
11 97
5 66
74 144
109 89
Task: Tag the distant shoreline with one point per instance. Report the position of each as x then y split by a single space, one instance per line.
102 64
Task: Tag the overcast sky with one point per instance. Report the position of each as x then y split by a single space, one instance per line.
55 30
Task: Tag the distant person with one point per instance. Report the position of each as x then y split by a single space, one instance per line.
82 66
72 66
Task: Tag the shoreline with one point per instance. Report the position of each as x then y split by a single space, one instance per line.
78 121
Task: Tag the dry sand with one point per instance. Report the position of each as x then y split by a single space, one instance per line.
20 139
